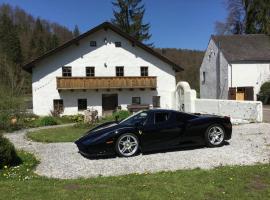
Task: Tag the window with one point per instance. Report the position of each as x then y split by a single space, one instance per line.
90 71
144 71
82 104
119 71
58 105
161 117
156 101
66 71
136 100
93 43
118 44
203 77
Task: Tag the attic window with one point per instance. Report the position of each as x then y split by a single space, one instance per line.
93 43
118 44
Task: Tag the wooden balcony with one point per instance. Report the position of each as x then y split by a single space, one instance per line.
96 83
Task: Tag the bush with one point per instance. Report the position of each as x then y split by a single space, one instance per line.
47 121
8 155
121 114
6 123
79 118
264 94
265 88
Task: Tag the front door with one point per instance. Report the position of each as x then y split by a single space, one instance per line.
109 103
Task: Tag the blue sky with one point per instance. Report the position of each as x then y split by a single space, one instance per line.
174 23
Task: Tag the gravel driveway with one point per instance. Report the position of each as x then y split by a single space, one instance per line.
249 145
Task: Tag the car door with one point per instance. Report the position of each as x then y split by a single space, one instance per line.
161 131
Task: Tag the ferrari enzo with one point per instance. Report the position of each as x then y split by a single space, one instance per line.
152 130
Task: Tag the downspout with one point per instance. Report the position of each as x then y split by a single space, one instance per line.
231 75
218 71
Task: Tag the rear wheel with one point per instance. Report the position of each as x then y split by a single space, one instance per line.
127 145
214 135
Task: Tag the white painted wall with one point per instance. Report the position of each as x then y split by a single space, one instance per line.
254 75
104 57
246 110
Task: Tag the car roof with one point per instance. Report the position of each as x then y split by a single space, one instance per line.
160 110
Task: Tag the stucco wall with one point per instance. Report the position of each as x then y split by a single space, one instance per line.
105 57
246 110
211 87
249 74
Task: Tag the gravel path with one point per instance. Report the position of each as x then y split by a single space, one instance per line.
250 144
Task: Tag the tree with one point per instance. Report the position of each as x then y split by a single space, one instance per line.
257 16
128 16
235 22
9 40
76 31
246 17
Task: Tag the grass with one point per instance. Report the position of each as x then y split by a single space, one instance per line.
69 134
61 134
246 182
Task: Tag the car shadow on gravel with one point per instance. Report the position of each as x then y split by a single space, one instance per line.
183 147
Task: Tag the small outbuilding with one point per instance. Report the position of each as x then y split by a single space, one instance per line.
235 66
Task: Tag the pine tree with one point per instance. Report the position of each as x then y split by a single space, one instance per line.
128 16
76 31
257 16
9 40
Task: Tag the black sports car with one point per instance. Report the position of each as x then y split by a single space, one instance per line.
154 129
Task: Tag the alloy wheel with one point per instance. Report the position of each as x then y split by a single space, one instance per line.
127 145
215 135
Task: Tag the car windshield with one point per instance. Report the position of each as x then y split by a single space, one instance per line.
138 117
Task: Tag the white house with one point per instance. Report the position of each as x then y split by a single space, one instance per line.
101 69
235 66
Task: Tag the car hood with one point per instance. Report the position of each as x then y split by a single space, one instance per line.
98 132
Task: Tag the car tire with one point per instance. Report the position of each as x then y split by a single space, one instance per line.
127 145
215 135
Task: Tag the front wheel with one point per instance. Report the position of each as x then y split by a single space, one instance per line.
214 135
127 145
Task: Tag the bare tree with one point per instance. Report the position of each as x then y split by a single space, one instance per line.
235 22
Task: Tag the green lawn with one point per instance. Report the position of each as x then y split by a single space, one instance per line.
249 182
61 134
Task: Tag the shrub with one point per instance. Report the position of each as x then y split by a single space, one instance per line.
79 118
265 88
8 155
7 124
264 94
47 121
121 114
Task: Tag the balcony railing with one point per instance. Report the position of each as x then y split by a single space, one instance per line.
95 83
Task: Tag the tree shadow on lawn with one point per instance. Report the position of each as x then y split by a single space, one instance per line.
182 147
